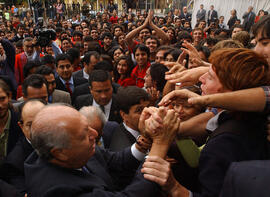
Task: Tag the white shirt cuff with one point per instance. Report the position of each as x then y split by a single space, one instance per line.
136 153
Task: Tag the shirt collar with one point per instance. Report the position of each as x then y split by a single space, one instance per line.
213 123
108 106
64 82
132 131
85 75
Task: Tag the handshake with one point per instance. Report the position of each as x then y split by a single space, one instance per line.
161 126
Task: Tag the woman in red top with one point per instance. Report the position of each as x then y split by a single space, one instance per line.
142 54
123 69
260 14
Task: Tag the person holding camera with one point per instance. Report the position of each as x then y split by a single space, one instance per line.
31 53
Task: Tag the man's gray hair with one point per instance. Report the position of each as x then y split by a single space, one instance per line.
48 136
27 39
90 112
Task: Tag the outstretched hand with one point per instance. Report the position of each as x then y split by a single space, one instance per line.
176 95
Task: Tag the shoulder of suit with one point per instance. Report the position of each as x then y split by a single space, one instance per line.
56 91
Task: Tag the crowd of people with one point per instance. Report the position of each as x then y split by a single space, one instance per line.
135 104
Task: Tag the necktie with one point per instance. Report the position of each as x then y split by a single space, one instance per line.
102 108
68 88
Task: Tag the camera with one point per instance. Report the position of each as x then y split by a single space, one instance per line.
44 35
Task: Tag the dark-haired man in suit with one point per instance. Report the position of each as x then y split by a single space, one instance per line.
54 95
89 60
100 83
65 81
212 15
132 100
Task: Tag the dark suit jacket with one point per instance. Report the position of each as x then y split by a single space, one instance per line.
87 100
121 139
8 190
13 165
84 89
77 82
78 74
213 17
187 17
237 141
249 178
248 21
108 131
15 131
46 179
201 15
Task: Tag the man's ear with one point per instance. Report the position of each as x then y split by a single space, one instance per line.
59 154
123 114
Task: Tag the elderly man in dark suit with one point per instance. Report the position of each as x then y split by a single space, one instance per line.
65 81
249 18
212 15
185 16
101 90
73 166
97 120
54 95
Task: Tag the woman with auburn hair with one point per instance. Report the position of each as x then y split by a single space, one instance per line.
233 136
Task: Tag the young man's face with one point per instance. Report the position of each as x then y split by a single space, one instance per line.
263 46
107 41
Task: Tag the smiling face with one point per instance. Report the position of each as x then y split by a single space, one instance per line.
151 44
122 67
141 57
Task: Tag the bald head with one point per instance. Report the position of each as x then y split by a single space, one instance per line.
29 111
52 128
61 135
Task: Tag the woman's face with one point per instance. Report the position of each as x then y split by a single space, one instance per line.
148 82
141 57
117 53
210 83
169 58
185 110
122 67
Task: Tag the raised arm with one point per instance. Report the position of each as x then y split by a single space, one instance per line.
252 100
10 53
131 35
159 32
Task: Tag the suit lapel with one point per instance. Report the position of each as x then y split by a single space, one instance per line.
130 137
96 167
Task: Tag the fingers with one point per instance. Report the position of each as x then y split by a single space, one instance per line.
181 57
158 180
168 64
167 99
156 169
